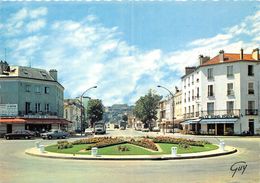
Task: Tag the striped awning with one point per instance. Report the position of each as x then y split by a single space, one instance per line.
191 121
218 120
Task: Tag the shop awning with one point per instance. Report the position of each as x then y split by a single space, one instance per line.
212 121
191 121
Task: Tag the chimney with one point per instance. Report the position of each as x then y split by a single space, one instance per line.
203 59
54 74
189 70
255 54
241 54
221 56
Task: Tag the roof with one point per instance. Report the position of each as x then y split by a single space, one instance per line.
28 72
230 57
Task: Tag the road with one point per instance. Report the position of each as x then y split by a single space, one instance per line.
17 167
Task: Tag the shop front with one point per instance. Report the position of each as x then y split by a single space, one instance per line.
218 126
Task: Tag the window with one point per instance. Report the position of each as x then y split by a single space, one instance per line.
230 71
230 107
251 105
210 73
27 88
37 107
189 97
47 107
210 108
192 95
251 88
230 90
192 79
198 93
46 90
250 70
37 89
184 97
210 91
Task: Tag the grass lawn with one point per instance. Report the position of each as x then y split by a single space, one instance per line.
193 149
133 149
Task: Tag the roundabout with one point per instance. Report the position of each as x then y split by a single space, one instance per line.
118 148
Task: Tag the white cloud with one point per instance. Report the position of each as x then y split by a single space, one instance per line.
35 25
25 20
39 12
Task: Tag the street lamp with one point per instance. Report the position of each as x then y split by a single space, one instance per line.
81 109
159 86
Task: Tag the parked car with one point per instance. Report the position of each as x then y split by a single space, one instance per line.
116 126
156 129
55 134
20 134
145 130
88 131
122 127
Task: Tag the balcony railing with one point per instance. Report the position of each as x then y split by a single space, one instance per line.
230 113
39 114
188 115
252 112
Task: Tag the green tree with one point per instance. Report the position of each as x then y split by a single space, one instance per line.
95 110
124 117
146 108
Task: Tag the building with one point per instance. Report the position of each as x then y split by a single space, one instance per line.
114 113
221 95
72 113
165 112
30 99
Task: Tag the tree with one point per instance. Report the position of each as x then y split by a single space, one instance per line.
95 110
146 108
124 117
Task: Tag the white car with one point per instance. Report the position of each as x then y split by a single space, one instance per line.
88 131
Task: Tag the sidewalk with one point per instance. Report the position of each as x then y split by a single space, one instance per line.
218 152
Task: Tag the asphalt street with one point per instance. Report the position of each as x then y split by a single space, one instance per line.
17 167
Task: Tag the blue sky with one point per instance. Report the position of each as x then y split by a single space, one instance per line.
125 48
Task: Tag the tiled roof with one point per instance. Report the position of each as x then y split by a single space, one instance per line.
229 57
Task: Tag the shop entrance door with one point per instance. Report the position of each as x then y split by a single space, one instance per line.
9 128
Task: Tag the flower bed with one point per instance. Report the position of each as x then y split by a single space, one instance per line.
162 139
146 143
94 140
106 143
64 144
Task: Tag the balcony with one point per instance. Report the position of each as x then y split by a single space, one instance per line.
188 115
230 113
40 114
253 112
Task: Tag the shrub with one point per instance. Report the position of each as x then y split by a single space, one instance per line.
162 139
184 145
146 143
122 148
64 144
104 142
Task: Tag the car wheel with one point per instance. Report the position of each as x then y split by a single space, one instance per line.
63 137
26 137
49 137
7 137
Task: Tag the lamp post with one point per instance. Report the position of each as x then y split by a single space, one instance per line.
159 86
81 109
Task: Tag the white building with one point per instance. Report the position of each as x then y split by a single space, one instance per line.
221 95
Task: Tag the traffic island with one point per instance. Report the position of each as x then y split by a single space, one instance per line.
145 148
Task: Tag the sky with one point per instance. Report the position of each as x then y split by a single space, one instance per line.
125 48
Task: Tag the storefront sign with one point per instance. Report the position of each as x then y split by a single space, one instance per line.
8 110
225 116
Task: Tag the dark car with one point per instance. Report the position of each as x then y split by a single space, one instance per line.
20 134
